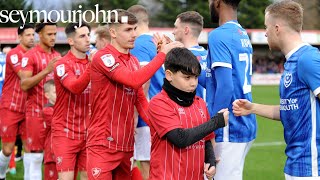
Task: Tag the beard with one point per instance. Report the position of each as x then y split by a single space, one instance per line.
214 14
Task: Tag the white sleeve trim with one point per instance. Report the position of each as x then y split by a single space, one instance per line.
227 65
316 91
143 63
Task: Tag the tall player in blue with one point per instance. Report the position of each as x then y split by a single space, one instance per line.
187 28
145 50
299 109
229 72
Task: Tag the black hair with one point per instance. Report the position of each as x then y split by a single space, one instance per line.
44 23
71 27
22 28
233 3
182 59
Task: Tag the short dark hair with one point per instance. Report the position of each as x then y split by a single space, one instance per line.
72 27
22 28
44 23
121 12
182 59
233 3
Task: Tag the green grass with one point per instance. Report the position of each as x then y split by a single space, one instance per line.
262 163
266 162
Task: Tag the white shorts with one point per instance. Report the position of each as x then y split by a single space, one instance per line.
288 177
142 144
232 157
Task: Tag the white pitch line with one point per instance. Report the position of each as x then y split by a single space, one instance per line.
278 143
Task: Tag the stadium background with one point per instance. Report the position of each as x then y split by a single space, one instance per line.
266 158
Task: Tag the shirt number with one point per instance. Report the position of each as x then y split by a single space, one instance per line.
247 58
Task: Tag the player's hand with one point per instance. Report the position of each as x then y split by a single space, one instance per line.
210 172
51 63
225 112
91 54
165 48
241 107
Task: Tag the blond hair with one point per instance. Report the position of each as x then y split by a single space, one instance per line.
103 32
140 12
289 11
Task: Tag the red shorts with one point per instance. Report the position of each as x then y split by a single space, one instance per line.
35 133
12 123
104 163
69 153
48 151
50 171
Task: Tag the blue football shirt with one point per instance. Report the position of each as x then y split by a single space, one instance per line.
229 46
145 50
300 111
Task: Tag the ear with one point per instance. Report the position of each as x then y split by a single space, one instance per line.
217 3
168 75
277 28
112 32
19 37
46 95
186 29
70 41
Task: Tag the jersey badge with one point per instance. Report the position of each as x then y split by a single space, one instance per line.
60 70
287 80
108 60
14 58
24 62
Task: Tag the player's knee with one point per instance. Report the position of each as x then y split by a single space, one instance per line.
7 148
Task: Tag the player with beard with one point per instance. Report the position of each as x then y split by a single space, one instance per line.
229 73
13 100
37 66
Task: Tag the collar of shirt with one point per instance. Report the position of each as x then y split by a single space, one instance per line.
118 54
39 48
82 61
20 48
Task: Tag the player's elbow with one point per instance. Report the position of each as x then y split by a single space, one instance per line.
24 86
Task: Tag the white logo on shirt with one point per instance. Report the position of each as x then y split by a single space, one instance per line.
51 173
181 110
201 113
77 72
108 60
14 58
44 61
60 70
29 140
59 160
4 128
24 62
287 80
96 172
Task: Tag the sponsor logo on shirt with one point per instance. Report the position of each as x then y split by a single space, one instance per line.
95 172
14 58
289 104
287 80
114 67
108 60
202 113
24 62
60 70
181 110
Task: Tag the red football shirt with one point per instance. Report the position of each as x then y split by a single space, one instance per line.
168 161
36 60
71 112
116 86
13 97
47 117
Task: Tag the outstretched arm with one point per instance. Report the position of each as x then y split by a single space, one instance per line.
185 137
243 107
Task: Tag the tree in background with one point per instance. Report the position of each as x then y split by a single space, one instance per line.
251 12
